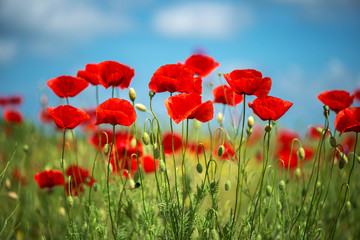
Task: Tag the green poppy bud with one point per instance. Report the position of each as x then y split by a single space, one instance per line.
133 142
106 149
156 153
136 176
131 183
151 94
199 168
26 148
145 138
162 166
301 153
140 107
326 111
132 94
95 187
297 173
268 128
227 185
343 160
70 201
282 185
332 141
213 184
249 131
258 237
279 205
213 234
221 150
219 74
250 121
347 207
318 185
268 190
220 117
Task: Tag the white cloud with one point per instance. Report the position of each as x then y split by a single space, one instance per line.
8 50
202 19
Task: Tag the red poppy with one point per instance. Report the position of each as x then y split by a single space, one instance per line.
284 154
124 146
13 100
249 82
337 100
348 120
286 136
75 189
49 179
19 177
79 175
225 95
202 65
67 86
148 164
175 78
13 116
114 74
357 94
90 74
116 112
67 116
44 116
167 141
94 138
314 132
270 108
182 106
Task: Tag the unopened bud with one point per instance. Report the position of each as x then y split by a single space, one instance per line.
219 74
7 183
162 166
26 148
279 205
140 107
347 207
213 184
326 111
156 153
319 130
250 121
136 176
145 138
62 211
95 187
197 124
343 160
301 153
70 201
106 149
227 185
268 127
318 185
220 117
131 183
132 94
221 150
151 94
297 173
332 141
199 168
282 185
133 142
214 235
268 190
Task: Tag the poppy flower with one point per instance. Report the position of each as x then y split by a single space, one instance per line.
89 125
314 132
125 147
67 86
13 116
337 100
49 179
348 120
202 65
249 82
79 175
116 112
225 95
13 100
182 106
148 164
284 154
114 74
285 137
270 108
167 141
66 116
122 164
175 78
90 74
44 116
94 138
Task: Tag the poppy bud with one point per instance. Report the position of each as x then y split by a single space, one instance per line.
250 121
199 168
258 237
162 166
26 148
347 207
106 149
301 153
197 124
132 94
62 211
70 201
131 183
268 128
145 138
282 185
319 130
221 150
326 111
95 187
279 205
332 141
136 176
268 190
7 183
133 143
249 131
213 234
220 117
140 107
151 94
297 173
343 160
227 185
219 74
318 185
156 153
213 185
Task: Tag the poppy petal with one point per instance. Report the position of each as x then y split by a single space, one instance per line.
66 116
115 112
67 86
180 106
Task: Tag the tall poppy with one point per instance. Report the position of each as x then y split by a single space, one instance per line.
270 108
90 74
116 112
13 116
114 74
348 120
67 86
66 116
175 78
202 65
49 179
182 106
337 100
225 95
249 82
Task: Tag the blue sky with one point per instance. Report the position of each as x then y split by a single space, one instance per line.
304 46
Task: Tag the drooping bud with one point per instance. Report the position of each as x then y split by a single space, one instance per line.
95 187
279 205
297 173
106 149
268 190
332 141
268 128
132 94
301 153
221 150
319 130
136 176
227 185
133 143
343 160
62 211
199 168
162 166
220 117
131 183
70 201
282 185
145 138
151 94
250 121
213 184
140 107
326 110
347 207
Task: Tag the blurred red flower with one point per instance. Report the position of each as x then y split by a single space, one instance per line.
148 164
357 94
337 100
13 116
249 82
284 154
44 116
182 106
202 65
114 74
175 78
90 74
225 95
125 146
49 179
116 112
286 136
67 86
66 116
75 189
270 108
348 120
94 138
167 140
19 177
79 175
12 100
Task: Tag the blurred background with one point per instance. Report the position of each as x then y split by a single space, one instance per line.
304 46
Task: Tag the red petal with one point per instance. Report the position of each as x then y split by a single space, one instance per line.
202 65
67 86
337 100
270 108
348 120
180 106
115 74
204 112
115 112
66 116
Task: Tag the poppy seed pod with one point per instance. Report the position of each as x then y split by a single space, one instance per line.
250 121
199 168
249 131
332 141
106 149
70 201
268 127
132 94
140 107
301 153
220 117
162 166
282 185
221 150
145 138
227 185
268 190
